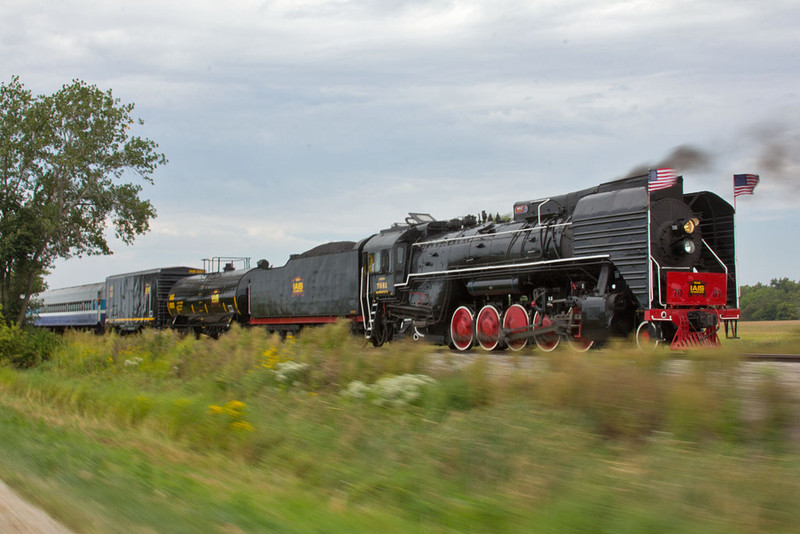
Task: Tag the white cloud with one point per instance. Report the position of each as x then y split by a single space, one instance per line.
291 122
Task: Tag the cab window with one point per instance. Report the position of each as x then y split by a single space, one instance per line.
378 262
386 258
374 262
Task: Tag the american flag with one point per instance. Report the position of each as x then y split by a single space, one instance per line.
661 179
743 184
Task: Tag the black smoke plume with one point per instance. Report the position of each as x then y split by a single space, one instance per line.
683 158
778 152
769 149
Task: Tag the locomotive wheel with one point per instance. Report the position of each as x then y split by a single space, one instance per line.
516 318
547 342
461 328
648 335
487 327
578 343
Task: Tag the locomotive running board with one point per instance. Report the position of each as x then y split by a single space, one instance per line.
583 260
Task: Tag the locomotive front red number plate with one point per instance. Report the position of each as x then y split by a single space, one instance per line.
696 289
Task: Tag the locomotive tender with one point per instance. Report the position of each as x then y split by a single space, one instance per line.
611 260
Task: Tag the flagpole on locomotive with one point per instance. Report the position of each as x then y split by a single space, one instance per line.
743 184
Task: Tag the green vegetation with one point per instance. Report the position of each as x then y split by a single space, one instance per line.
778 301
162 433
24 346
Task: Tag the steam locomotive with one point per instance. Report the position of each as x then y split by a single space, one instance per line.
611 260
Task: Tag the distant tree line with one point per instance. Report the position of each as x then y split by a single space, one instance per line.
780 300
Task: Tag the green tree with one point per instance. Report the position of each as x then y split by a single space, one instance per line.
64 163
780 300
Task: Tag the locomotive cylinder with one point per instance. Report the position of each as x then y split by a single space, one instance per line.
494 287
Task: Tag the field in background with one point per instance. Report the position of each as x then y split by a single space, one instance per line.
159 433
770 335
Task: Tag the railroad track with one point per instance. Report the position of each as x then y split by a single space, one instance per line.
772 357
793 358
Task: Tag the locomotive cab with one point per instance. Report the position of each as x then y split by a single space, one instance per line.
385 263
385 268
379 264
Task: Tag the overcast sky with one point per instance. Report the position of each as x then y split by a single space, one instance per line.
290 123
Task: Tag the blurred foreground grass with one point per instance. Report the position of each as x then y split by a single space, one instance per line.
158 433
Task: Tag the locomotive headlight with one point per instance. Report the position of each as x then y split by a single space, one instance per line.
688 247
689 227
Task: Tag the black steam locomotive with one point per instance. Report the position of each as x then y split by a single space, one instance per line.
612 260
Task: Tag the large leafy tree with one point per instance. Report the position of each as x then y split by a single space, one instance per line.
66 161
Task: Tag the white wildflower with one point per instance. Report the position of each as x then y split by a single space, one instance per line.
356 390
392 391
133 362
291 373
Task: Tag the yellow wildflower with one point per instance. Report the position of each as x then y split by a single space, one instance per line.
242 426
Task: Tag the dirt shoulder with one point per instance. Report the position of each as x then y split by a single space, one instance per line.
20 517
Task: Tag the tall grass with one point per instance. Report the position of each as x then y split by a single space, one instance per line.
470 447
701 396
169 382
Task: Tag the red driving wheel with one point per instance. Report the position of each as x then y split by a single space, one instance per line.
461 328
516 320
487 327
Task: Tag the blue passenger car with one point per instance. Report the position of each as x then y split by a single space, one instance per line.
72 307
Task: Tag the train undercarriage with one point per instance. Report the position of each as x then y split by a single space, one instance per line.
581 307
